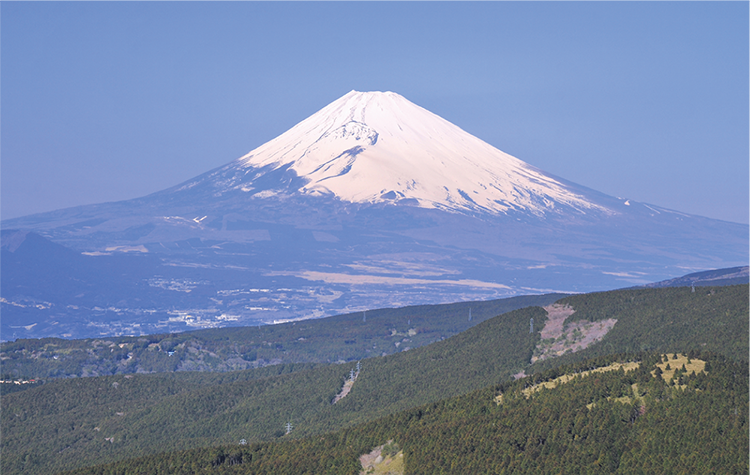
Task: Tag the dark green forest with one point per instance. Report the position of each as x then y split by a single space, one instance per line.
70 423
578 427
668 319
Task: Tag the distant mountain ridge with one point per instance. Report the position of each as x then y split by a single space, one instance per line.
731 276
372 202
337 339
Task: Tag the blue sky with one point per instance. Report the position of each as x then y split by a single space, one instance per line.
105 101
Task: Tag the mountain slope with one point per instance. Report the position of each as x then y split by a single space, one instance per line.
372 202
608 422
379 147
113 417
54 426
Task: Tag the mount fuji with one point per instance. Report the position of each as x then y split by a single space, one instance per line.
380 148
371 202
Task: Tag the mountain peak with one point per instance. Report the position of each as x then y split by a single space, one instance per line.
375 147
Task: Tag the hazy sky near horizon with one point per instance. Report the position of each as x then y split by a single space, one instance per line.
105 101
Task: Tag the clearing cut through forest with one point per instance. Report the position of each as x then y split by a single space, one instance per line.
557 338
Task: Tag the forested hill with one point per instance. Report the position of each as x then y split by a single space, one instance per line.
666 319
335 339
72 423
622 414
69 423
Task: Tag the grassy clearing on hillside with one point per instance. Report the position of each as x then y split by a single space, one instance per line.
672 367
552 384
568 377
673 362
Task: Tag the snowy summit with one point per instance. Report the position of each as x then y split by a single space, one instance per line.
371 147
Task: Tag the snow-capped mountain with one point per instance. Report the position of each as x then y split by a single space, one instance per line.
371 202
371 147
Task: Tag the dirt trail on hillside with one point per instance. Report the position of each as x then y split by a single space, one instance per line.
344 391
